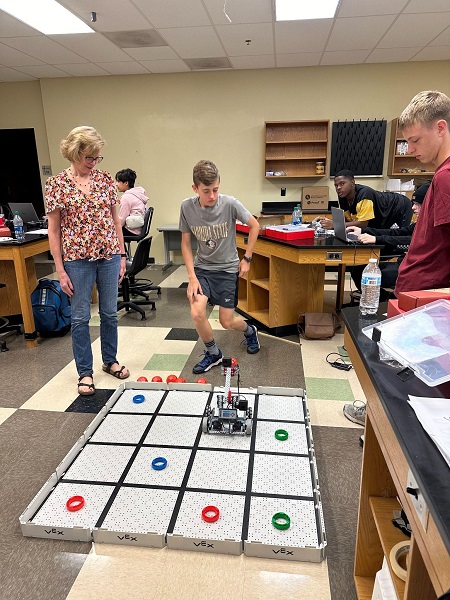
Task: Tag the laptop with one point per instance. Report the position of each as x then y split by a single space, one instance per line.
26 211
340 230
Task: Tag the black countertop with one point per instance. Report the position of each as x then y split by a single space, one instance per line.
425 461
328 241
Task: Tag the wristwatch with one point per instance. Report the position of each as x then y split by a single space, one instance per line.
248 258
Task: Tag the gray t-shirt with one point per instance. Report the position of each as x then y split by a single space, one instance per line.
214 227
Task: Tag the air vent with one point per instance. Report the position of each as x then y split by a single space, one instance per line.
136 39
208 64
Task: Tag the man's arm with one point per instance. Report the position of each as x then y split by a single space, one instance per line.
253 224
54 239
194 288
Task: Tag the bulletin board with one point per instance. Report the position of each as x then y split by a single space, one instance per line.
358 146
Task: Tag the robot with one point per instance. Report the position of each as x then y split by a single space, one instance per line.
232 415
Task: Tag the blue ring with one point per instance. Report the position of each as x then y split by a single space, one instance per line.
138 399
159 463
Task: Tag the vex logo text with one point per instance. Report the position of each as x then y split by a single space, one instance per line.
127 537
284 551
54 530
204 544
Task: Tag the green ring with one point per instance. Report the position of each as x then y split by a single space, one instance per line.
281 434
281 526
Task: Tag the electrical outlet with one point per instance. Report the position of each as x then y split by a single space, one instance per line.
334 255
417 499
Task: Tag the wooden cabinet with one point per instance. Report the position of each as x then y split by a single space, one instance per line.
292 148
398 163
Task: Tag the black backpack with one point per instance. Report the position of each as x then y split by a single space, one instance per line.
51 309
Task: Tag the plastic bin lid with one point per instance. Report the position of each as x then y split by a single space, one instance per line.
419 339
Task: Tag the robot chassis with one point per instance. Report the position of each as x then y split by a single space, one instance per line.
232 415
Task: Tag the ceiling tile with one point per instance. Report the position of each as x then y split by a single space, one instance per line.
266 61
344 57
234 38
358 33
124 68
385 55
93 47
360 8
433 53
112 15
10 57
194 42
414 30
292 37
430 6
174 13
304 59
84 70
157 53
44 71
443 39
11 27
165 66
250 11
7 74
44 48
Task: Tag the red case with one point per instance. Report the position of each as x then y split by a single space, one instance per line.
411 300
290 235
393 310
242 227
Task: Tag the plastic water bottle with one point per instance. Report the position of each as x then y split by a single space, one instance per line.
300 214
296 218
370 287
18 227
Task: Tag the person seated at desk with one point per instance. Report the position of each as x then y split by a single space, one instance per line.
133 203
366 207
393 240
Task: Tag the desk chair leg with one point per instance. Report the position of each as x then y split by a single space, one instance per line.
131 305
340 287
4 347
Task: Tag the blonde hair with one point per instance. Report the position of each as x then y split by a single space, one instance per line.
426 108
205 172
81 141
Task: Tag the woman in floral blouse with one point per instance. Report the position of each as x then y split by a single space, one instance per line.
86 242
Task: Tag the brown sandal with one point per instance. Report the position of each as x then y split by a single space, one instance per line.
90 387
118 374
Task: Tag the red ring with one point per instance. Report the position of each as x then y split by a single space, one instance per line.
209 509
75 503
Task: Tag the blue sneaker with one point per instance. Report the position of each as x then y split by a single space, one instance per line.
252 341
208 361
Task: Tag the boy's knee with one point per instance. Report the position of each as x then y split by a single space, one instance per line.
225 322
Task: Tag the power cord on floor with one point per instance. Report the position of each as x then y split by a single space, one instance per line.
339 362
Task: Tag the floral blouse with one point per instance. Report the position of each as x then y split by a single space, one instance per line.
87 226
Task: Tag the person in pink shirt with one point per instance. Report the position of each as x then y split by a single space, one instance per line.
133 203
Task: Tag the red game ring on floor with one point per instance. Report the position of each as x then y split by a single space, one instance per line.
75 503
210 518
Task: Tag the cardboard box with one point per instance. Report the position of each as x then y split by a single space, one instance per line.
289 232
265 220
315 198
393 309
411 300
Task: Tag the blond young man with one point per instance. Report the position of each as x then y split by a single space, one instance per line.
214 274
425 124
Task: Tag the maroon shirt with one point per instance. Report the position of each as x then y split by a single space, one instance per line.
427 262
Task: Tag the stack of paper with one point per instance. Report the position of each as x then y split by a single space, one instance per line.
434 416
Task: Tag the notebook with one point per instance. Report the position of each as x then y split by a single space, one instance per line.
26 211
339 227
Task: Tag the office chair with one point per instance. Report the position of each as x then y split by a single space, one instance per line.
126 290
148 215
7 329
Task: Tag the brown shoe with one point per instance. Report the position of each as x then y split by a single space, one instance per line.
86 389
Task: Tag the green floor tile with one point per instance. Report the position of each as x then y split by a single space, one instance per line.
329 389
166 362
343 352
95 321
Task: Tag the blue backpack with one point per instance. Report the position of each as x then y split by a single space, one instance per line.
51 308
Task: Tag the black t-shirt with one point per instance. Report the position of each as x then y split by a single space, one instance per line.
387 207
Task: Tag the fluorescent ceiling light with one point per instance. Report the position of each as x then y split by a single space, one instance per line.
46 16
299 10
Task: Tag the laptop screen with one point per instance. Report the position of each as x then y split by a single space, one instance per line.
339 223
26 211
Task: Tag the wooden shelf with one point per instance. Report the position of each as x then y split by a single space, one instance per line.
397 162
292 176
382 511
260 315
264 283
364 587
294 147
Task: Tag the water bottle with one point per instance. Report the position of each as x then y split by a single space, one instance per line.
370 287
299 214
18 227
296 218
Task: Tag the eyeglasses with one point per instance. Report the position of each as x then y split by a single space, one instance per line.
93 159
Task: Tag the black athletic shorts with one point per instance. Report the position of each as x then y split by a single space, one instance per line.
220 287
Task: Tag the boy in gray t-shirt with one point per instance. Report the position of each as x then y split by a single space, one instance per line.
214 274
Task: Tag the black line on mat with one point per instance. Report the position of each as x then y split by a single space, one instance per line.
251 460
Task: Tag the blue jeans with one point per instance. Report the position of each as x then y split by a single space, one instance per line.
83 274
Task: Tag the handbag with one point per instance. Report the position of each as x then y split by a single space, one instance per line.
318 326
134 221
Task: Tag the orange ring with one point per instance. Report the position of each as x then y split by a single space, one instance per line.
75 503
210 509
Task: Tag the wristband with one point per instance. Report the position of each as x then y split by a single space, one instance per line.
281 521
75 503
138 399
281 434
159 463
210 518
